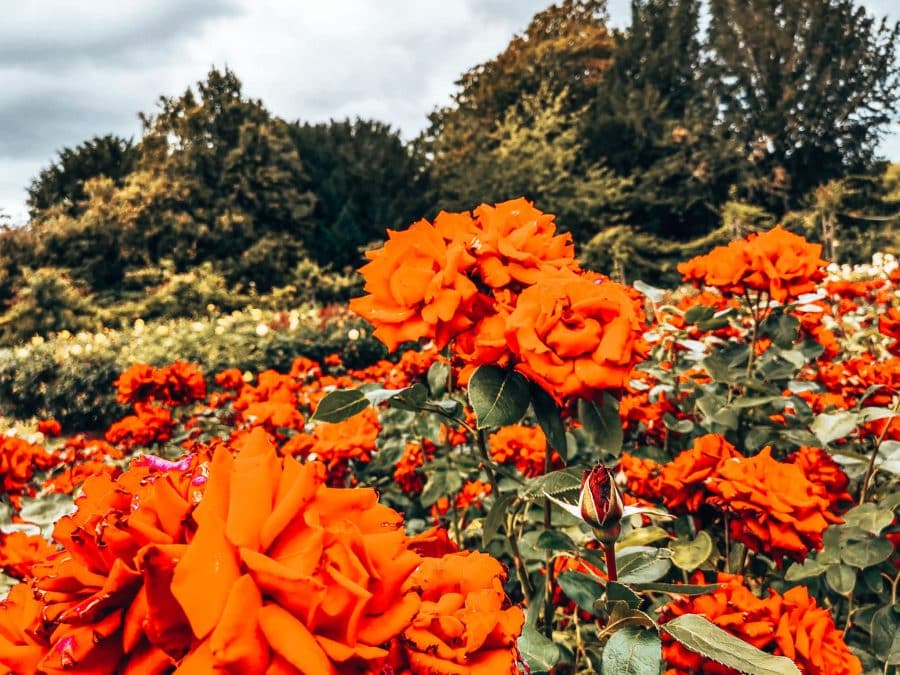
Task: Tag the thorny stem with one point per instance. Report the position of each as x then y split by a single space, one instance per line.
487 462
754 309
727 545
870 470
455 515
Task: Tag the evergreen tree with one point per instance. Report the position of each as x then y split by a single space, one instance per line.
365 180
563 52
238 174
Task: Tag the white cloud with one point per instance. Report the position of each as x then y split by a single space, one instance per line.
70 69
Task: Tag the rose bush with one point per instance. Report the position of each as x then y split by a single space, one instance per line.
564 474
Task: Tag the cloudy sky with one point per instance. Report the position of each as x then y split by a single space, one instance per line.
70 69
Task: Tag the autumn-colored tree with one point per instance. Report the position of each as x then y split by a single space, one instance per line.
562 53
62 183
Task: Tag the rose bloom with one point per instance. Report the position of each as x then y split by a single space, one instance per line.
18 461
285 574
524 447
20 550
465 624
776 509
515 243
889 326
683 480
417 284
106 604
178 384
782 264
23 641
51 428
789 625
150 424
575 335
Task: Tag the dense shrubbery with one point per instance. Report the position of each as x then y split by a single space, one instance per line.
704 476
69 376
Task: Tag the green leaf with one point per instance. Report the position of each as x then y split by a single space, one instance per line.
540 653
340 405
554 540
440 483
641 564
562 483
410 398
549 417
581 589
754 401
437 378
632 651
809 569
676 589
643 536
699 313
689 554
616 591
869 517
866 552
782 328
498 396
840 578
885 628
704 637
831 426
495 517
602 423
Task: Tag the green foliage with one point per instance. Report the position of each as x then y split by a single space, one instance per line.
70 377
365 180
45 303
803 114
556 63
62 184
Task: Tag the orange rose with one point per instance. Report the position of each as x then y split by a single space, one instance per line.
19 551
516 242
464 624
683 480
105 596
780 512
575 336
283 569
417 283
791 625
23 640
525 447
782 264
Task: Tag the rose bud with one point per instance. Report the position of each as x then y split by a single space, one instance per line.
601 503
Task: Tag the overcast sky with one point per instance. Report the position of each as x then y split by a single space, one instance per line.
71 69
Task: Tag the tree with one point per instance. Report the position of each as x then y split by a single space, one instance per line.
806 86
563 52
62 183
238 171
652 121
365 179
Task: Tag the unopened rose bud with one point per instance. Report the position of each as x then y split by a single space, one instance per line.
601 504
